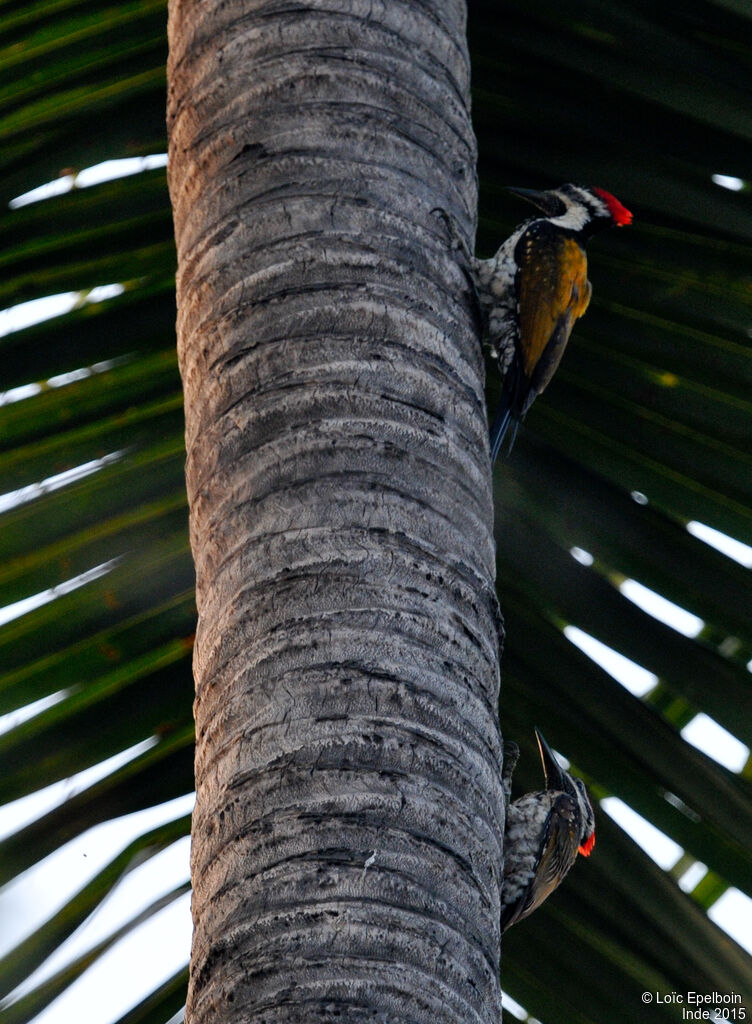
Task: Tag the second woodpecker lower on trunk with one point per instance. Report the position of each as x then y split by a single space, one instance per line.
545 831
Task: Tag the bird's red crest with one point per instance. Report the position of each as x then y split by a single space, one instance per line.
587 847
619 214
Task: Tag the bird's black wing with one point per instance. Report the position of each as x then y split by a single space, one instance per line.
558 851
552 291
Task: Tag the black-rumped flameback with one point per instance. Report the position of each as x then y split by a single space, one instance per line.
534 289
544 833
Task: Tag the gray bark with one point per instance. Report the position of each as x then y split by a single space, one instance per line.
347 834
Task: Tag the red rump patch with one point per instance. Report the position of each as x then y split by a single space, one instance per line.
587 847
619 214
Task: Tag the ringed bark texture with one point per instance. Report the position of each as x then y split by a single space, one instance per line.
349 819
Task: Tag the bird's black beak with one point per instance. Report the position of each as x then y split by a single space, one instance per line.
552 772
546 202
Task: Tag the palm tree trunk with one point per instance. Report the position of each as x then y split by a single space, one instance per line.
349 819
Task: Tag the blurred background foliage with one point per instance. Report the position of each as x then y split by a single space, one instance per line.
646 429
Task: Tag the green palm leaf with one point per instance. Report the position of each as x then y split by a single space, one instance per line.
646 99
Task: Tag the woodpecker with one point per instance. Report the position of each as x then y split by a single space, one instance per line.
532 291
544 833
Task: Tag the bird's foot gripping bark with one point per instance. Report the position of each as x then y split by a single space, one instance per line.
457 242
511 757
455 236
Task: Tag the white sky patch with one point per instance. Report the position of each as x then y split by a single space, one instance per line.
103 292
135 966
735 549
60 380
19 813
108 170
692 876
150 881
13 719
36 311
24 314
632 676
733 913
32 897
513 1007
662 609
20 394
728 181
30 604
581 556
58 187
715 741
13 499
730 646
664 851
678 803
